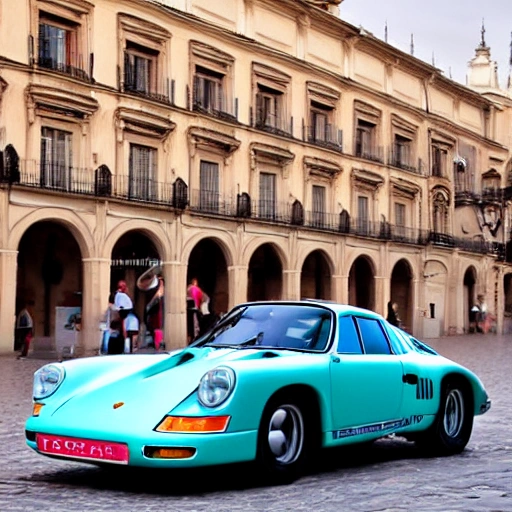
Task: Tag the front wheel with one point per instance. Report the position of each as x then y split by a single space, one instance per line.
283 441
452 428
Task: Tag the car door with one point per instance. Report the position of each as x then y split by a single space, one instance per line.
366 377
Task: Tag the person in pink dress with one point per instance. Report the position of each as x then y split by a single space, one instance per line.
194 300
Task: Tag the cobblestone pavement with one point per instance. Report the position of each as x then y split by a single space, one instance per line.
387 476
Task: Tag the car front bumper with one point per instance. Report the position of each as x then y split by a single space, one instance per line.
210 449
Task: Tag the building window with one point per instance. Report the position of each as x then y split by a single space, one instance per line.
58 45
365 140
402 152
269 108
440 213
209 186
367 123
439 159
271 100
56 158
319 206
212 80
267 199
362 214
321 128
140 69
144 59
400 210
142 172
208 91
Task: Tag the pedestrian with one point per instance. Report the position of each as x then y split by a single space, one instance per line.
131 324
482 320
392 317
195 297
123 303
116 341
24 330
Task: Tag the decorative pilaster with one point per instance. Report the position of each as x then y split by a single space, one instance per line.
8 271
238 282
96 289
291 284
175 304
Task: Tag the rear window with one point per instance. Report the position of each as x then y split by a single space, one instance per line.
374 339
348 337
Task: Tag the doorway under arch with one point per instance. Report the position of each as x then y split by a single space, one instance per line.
507 301
207 264
361 284
469 298
132 255
265 274
49 276
401 293
315 280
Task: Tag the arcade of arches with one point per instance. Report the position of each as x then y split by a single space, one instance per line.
56 266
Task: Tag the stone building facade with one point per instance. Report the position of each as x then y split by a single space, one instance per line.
273 151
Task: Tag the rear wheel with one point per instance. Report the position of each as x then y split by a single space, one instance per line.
284 439
452 428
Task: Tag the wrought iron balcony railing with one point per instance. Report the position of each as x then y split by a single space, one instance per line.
372 153
213 203
397 158
329 136
55 65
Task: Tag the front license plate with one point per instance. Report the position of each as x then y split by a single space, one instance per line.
83 448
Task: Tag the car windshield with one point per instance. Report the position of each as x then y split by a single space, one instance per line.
277 326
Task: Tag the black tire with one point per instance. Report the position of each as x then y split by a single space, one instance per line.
285 439
452 427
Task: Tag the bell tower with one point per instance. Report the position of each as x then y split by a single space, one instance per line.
483 72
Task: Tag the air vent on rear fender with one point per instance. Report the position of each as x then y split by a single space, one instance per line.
425 389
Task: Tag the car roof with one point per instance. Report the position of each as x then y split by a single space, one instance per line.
341 309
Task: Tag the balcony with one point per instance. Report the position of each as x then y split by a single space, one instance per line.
398 159
372 153
59 67
149 94
274 123
328 137
211 203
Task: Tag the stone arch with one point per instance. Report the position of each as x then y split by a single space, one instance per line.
150 229
69 219
316 275
208 264
265 273
402 292
224 242
256 243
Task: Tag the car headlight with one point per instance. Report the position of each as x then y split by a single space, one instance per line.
46 380
216 386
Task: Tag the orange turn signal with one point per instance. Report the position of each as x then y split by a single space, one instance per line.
201 424
173 453
37 409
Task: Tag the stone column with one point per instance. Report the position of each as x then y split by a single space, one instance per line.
96 289
339 292
291 285
175 304
8 271
238 281
382 290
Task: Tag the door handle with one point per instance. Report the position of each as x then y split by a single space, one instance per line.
335 359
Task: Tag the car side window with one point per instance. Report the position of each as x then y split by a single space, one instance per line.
348 340
374 339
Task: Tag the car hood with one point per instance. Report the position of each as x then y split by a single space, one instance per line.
139 396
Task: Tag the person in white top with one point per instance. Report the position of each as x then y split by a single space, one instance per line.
123 304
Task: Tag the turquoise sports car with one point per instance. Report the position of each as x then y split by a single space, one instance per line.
272 382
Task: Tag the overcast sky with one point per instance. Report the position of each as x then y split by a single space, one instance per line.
450 29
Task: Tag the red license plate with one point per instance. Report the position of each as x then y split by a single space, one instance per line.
83 448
